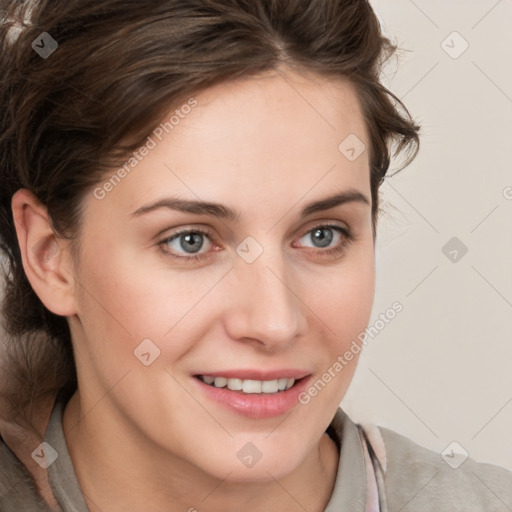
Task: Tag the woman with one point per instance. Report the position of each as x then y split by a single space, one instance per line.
189 205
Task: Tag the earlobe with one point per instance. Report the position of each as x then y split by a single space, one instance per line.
45 257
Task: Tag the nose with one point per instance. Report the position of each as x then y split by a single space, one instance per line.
263 306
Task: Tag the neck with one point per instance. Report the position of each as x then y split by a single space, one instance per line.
119 470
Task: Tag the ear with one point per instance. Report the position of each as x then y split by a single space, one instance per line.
46 258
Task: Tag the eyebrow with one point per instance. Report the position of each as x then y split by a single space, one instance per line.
226 213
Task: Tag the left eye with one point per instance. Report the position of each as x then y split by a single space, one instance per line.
324 235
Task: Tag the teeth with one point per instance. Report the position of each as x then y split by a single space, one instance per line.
249 385
235 384
281 384
269 386
220 382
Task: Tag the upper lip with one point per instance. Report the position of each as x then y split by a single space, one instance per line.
255 374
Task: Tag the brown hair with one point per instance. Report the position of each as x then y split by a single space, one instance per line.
65 119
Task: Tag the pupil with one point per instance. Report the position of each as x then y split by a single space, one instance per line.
318 235
193 240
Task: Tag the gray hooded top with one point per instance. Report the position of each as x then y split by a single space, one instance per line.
379 470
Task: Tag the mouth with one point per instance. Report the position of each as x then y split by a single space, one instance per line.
250 386
270 395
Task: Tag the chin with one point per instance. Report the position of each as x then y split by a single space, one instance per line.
250 464
260 473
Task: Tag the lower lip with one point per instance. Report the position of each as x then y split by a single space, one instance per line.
256 405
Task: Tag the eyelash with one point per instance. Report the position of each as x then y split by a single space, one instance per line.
347 238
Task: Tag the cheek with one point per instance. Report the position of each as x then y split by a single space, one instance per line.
126 300
344 297
343 304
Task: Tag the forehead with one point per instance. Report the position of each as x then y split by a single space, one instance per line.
276 113
277 135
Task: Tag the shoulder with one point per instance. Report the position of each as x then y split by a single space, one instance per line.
17 490
419 479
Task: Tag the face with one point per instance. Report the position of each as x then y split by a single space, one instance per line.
276 289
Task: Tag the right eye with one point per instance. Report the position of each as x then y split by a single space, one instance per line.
189 241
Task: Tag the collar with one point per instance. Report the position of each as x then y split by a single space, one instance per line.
350 489
61 473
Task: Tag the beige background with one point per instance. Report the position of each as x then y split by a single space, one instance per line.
441 370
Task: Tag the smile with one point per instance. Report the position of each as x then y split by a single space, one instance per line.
241 392
249 385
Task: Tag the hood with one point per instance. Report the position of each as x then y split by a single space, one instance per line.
23 439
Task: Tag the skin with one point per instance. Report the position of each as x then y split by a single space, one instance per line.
146 437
